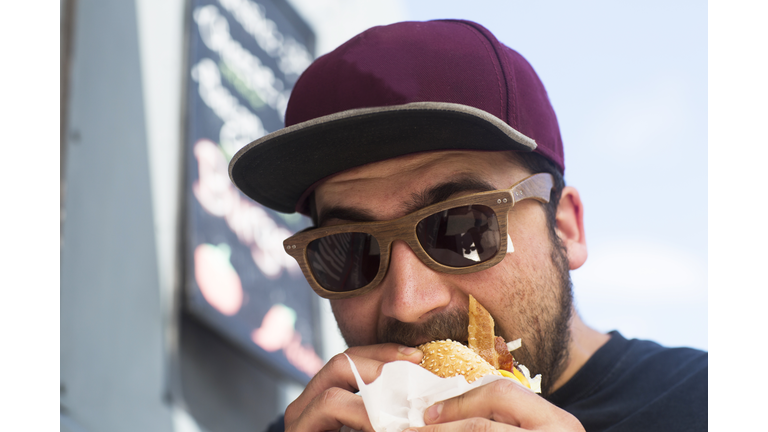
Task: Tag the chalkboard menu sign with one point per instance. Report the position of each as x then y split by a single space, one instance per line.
244 58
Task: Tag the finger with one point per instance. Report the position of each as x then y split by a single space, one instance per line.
331 410
386 353
368 360
475 424
502 401
338 373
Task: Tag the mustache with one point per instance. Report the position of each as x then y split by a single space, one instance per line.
447 325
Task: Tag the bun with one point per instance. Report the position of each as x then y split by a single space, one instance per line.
447 358
486 354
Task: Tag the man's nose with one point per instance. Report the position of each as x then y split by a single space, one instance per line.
411 290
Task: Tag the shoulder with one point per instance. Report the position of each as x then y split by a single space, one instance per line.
668 365
665 389
640 385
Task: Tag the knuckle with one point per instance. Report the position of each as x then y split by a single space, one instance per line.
291 412
477 424
332 396
337 361
503 387
322 406
380 369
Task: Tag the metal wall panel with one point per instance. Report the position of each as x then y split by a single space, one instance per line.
112 367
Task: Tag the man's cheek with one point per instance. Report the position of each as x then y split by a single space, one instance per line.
356 321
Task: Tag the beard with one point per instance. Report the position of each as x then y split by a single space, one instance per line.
543 324
545 328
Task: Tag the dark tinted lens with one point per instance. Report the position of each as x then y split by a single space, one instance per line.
460 237
344 262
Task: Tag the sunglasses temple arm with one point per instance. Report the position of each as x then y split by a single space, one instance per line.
538 187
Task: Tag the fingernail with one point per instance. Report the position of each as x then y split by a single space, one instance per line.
405 350
434 412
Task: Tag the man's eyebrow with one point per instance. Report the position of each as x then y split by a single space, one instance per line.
434 195
443 191
345 214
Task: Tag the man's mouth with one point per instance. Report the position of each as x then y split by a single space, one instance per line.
447 325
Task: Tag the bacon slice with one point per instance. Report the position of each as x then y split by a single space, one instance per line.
506 361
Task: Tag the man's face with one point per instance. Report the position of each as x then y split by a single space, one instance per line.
528 293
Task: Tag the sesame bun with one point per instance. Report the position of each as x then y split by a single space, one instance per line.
447 358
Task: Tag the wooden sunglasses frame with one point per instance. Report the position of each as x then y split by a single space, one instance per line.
536 186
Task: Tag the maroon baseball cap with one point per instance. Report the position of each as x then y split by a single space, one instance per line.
395 90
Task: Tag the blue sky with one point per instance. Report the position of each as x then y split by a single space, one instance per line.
628 81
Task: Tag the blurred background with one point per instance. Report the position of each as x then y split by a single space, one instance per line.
179 309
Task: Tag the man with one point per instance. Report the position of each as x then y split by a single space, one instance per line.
414 125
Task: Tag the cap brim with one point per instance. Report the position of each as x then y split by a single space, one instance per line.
277 169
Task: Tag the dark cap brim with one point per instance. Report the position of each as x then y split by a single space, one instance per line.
278 169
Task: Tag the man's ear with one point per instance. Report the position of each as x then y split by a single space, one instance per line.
570 226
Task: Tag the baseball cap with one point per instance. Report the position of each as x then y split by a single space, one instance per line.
395 90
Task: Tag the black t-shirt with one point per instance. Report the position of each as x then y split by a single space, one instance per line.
637 385
633 385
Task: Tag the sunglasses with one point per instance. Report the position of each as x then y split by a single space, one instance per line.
457 236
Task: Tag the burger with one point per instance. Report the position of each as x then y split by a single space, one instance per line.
484 354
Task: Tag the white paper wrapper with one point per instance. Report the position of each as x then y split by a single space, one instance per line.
397 399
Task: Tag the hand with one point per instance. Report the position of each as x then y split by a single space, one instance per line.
499 406
329 400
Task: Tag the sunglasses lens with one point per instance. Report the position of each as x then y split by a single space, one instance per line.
460 237
344 262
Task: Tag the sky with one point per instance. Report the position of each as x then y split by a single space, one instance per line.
628 82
